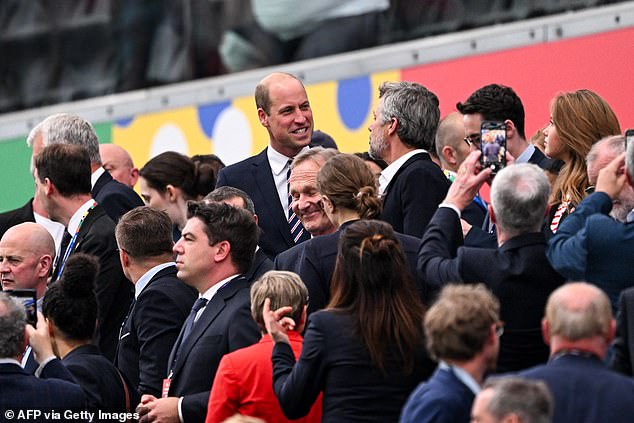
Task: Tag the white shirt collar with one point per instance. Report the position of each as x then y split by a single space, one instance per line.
526 154
73 223
209 294
96 175
462 375
277 160
10 361
386 175
140 285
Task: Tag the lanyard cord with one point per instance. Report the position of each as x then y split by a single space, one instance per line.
72 242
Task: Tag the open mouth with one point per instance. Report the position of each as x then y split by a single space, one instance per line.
300 131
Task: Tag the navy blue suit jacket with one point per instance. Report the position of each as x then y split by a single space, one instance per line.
261 265
254 176
14 217
623 346
413 195
21 391
116 198
518 273
151 328
318 264
442 399
291 259
585 391
114 292
337 362
591 246
225 325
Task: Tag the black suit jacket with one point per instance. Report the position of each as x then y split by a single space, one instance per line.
318 264
151 328
21 391
116 198
518 273
261 265
413 195
225 325
14 217
114 292
291 259
623 346
97 377
254 176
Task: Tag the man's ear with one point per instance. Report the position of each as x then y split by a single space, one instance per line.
263 117
449 154
545 331
46 262
49 187
491 213
511 130
224 249
392 126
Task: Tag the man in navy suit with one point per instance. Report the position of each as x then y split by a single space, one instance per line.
579 327
402 134
517 271
161 301
113 196
623 347
19 390
62 178
462 330
284 110
216 248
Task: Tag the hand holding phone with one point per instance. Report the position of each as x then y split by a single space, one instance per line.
493 145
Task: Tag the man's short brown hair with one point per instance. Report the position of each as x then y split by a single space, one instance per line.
145 232
284 289
458 324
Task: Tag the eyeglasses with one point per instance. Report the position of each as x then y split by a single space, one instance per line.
473 139
499 330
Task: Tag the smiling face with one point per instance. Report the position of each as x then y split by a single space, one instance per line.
289 120
194 255
307 200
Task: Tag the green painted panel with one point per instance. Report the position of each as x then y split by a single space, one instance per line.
17 183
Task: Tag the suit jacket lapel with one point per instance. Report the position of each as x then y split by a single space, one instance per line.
101 182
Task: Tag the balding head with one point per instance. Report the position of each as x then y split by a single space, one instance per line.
450 145
26 256
578 313
119 164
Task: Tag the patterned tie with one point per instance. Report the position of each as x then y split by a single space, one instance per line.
189 324
297 230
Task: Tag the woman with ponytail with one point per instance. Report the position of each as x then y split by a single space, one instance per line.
348 190
169 180
365 351
70 309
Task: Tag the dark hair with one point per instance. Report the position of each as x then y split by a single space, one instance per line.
366 157
145 232
495 102
70 303
208 166
348 183
67 166
227 223
372 283
178 170
226 193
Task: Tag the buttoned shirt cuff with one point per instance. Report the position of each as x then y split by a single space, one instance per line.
43 364
180 410
452 207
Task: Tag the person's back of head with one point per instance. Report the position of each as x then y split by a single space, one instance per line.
67 166
371 282
12 324
513 399
496 102
144 233
282 289
227 193
70 303
519 198
416 110
179 171
347 183
451 148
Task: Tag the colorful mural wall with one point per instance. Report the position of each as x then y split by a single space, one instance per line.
343 108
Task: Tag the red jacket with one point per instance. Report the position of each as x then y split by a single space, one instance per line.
244 385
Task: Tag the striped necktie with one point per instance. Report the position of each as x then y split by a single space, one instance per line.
295 225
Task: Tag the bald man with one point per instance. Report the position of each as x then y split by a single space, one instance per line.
119 164
451 147
284 111
27 251
579 327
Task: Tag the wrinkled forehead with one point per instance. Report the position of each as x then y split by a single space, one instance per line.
303 178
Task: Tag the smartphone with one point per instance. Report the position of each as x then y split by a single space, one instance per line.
493 145
629 137
28 298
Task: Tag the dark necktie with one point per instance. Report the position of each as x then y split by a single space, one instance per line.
189 324
295 225
62 250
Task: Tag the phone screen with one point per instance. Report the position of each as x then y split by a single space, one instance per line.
493 145
28 298
629 137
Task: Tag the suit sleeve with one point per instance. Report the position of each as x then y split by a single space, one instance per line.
437 262
222 179
159 321
476 237
311 273
436 410
620 361
567 250
224 400
116 203
297 385
420 202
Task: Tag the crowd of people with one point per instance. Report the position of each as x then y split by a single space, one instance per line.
313 285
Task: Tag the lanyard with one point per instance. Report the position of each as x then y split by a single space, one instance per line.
72 242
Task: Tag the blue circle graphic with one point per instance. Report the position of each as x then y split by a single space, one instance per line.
354 99
208 114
